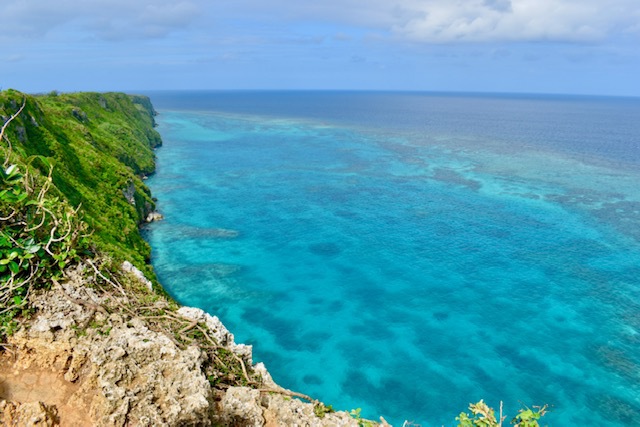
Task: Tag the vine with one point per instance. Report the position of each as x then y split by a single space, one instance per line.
40 235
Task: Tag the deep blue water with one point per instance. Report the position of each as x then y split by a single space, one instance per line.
409 253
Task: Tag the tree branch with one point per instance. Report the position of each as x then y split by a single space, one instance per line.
4 127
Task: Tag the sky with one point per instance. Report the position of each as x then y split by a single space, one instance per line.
524 46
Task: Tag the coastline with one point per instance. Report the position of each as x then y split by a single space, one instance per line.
101 343
125 370
517 228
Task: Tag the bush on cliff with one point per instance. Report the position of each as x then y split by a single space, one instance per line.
73 163
70 163
484 416
40 236
100 146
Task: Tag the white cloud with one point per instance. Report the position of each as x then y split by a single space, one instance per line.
428 21
444 21
106 19
515 20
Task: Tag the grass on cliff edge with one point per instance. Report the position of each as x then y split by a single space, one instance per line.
71 201
70 186
100 147
72 163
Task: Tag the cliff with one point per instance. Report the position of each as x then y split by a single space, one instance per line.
87 335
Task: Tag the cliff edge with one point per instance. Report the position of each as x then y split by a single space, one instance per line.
87 335
107 353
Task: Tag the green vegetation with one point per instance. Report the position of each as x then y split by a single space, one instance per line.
362 422
70 163
40 236
320 409
100 146
484 416
72 199
72 196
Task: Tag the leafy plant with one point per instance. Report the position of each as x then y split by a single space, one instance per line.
40 236
101 147
320 409
484 416
362 422
528 417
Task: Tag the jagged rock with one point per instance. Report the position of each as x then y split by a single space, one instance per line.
80 115
21 132
120 372
27 414
127 267
129 376
240 406
246 407
218 331
103 102
143 376
154 216
267 381
130 192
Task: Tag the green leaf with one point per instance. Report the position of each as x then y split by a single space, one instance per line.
43 159
14 267
11 170
17 300
33 249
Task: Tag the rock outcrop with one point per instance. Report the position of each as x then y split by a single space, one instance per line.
27 414
85 359
105 347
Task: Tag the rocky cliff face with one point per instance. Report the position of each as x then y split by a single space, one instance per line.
87 357
97 343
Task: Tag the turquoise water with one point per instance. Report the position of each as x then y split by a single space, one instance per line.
410 253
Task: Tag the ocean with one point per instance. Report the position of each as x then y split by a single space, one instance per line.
411 253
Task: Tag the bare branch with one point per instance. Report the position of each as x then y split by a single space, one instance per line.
287 393
4 127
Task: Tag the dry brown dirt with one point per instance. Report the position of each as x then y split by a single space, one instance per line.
22 385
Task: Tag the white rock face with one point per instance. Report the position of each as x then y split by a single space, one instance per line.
243 406
120 372
127 267
219 332
130 375
154 216
142 375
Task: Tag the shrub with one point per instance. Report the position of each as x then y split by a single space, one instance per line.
39 237
484 416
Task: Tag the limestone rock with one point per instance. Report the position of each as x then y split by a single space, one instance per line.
246 407
27 414
129 193
154 216
240 406
128 376
79 365
218 331
80 115
127 267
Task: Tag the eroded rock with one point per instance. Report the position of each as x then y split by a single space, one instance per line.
27 414
90 366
